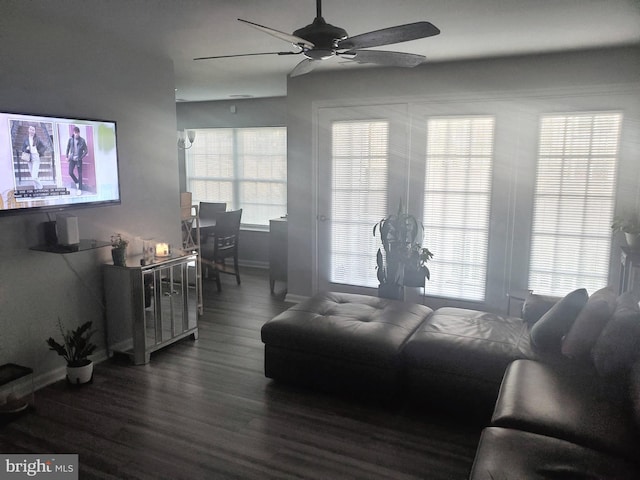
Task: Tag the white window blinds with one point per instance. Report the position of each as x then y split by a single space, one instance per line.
457 202
360 156
574 202
244 167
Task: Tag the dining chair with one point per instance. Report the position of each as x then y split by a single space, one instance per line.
208 210
223 245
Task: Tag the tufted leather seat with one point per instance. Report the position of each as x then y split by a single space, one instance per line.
576 406
459 352
341 341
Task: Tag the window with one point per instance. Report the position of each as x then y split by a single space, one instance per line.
574 202
457 202
244 167
360 156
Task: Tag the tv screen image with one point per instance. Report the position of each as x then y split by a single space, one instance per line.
49 163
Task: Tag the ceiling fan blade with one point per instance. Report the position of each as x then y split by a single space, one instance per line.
389 59
301 42
248 55
387 36
305 66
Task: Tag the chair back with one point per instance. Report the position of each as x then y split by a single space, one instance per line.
208 210
227 233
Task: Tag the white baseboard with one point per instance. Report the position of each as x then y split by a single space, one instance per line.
295 298
31 384
253 263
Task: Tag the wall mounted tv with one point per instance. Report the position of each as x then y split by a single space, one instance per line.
51 163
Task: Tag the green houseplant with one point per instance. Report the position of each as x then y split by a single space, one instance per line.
401 261
629 224
119 250
75 349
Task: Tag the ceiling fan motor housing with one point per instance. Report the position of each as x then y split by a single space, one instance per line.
324 36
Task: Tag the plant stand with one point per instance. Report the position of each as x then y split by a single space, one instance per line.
391 291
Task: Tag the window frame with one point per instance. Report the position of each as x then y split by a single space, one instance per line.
235 180
488 193
614 196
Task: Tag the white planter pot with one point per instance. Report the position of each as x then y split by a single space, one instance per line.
79 375
633 239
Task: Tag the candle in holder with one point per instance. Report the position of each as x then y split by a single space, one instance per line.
162 250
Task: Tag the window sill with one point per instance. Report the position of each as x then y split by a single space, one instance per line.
255 228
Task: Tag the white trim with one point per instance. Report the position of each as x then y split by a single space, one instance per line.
293 298
475 97
45 379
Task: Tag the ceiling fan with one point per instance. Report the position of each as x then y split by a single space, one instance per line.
321 41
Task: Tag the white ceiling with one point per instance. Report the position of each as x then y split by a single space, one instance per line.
184 29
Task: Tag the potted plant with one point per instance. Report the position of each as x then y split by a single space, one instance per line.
416 269
629 224
401 261
75 349
119 250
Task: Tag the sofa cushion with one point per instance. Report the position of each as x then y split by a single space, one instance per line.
567 403
468 342
618 346
513 454
547 333
586 329
457 358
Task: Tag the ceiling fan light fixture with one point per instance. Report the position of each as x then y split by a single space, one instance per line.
321 41
319 54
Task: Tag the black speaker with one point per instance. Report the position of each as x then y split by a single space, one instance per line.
50 235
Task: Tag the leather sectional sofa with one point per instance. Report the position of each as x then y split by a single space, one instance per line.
561 380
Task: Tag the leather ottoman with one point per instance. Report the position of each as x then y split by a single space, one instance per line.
341 342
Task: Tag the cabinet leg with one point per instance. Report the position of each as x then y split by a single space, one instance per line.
194 335
272 284
141 358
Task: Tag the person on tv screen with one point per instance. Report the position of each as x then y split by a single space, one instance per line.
33 147
76 151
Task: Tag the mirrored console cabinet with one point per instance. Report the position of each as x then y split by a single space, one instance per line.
150 306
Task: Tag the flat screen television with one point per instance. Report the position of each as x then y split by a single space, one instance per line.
51 163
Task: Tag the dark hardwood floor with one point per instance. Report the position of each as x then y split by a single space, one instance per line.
204 410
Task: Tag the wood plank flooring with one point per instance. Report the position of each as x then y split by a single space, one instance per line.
204 410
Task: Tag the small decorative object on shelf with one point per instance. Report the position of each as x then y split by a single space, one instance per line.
629 224
163 250
75 350
148 250
119 249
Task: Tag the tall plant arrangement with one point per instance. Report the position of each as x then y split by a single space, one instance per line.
401 260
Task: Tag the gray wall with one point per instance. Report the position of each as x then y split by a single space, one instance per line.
67 72
258 112
532 83
556 82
